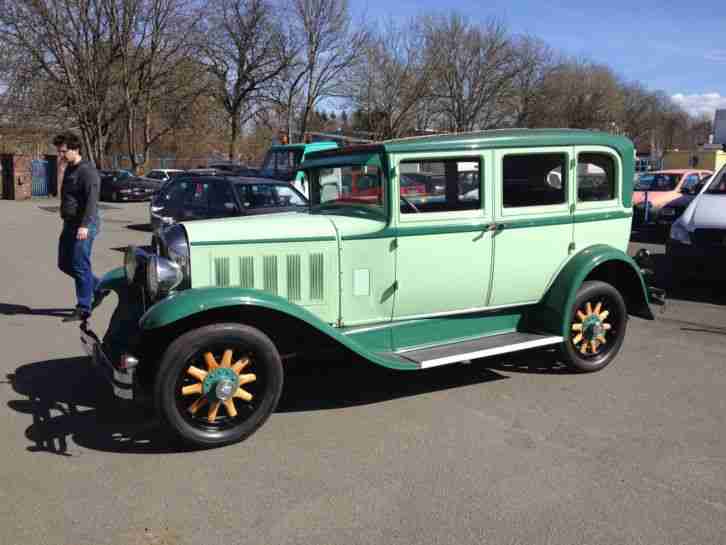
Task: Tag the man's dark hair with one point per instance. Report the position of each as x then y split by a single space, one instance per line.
70 139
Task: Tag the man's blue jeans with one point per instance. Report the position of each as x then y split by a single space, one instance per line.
74 259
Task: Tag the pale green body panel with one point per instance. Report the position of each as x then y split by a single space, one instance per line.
414 279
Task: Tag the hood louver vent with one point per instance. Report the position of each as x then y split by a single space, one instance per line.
269 273
247 272
221 271
294 291
317 280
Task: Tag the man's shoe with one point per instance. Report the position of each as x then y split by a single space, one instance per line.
78 315
98 297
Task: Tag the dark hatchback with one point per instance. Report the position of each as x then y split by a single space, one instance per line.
121 185
188 198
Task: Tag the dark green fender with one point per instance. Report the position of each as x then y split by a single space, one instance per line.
194 301
600 261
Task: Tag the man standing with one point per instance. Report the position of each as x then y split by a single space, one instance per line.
79 210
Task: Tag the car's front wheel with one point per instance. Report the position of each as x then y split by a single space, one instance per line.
597 327
218 384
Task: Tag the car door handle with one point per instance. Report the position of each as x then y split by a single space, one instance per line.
495 227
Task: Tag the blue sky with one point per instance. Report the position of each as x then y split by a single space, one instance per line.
675 46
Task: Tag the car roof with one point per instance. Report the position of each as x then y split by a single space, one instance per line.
492 139
231 178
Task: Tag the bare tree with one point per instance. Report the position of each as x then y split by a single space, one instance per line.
65 47
245 51
327 47
160 81
475 71
390 87
534 60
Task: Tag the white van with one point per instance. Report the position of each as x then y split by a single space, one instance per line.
698 238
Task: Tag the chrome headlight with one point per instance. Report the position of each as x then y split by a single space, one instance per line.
680 233
175 246
130 264
162 276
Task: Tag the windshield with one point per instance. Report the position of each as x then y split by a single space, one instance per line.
657 182
281 162
348 186
269 195
718 186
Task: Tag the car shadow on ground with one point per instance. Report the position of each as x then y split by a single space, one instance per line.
69 400
9 309
144 227
318 385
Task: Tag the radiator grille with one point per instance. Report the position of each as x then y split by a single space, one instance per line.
247 272
316 277
269 273
221 271
293 278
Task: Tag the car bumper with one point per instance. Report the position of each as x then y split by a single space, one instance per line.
115 354
706 260
119 375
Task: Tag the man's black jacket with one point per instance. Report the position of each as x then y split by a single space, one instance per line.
79 194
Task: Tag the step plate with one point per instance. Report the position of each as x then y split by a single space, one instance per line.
477 348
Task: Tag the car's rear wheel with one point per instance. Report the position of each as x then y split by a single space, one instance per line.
218 384
597 327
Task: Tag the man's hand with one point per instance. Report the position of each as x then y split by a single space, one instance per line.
82 233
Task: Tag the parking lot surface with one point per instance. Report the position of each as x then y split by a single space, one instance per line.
515 450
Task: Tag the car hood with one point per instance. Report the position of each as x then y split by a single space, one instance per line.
706 211
285 226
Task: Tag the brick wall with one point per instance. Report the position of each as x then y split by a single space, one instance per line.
23 177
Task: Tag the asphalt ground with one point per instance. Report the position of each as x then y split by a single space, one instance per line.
515 450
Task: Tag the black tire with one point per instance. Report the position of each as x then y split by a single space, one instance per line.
599 354
189 349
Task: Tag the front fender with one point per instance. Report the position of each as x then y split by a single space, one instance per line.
187 303
600 261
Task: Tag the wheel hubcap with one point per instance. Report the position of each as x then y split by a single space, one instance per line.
590 328
220 385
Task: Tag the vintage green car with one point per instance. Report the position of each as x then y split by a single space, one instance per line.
530 254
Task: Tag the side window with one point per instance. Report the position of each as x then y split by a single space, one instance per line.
288 197
197 195
440 185
174 194
261 195
596 176
534 180
221 199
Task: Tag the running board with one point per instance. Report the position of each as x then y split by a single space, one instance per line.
477 348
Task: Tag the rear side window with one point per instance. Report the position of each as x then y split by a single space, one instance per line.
534 179
443 185
596 177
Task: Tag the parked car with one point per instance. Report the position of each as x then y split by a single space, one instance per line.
122 185
194 197
697 241
661 187
674 209
204 325
282 160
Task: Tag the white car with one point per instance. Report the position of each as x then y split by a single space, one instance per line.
697 238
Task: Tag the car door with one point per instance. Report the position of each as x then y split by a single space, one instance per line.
599 213
534 235
443 242
222 202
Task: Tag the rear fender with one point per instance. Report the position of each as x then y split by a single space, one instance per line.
553 314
